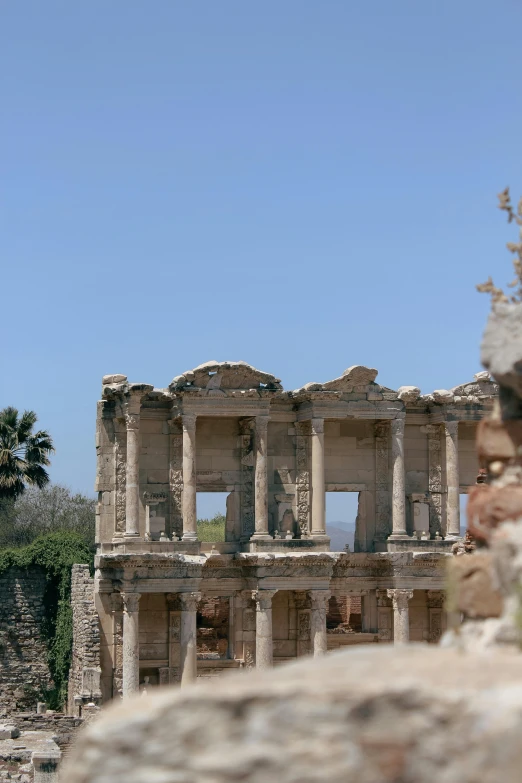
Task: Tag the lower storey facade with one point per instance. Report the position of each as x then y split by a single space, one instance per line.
166 618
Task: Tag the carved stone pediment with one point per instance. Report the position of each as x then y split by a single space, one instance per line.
356 376
481 386
217 377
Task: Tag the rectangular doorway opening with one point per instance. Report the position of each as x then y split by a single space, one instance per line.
211 514
341 513
213 627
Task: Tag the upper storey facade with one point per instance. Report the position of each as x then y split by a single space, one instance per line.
227 427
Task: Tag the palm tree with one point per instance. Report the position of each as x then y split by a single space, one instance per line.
23 453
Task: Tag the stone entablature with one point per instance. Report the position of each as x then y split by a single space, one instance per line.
228 427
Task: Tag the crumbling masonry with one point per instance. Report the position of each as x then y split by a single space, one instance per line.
171 607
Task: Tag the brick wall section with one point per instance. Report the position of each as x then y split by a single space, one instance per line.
23 650
213 625
86 631
344 610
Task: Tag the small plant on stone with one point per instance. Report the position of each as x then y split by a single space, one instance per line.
497 294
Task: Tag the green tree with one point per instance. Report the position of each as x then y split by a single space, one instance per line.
40 511
24 454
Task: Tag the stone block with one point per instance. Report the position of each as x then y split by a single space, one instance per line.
9 731
375 714
473 587
442 396
116 378
409 394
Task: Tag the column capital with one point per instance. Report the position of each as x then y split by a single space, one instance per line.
435 599
400 597
451 427
397 426
188 421
383 598
261 421
174 425
432 429
132 421
382 428
302 599
244 597
131 602
263 599
189 601
319 598
173 604
115 602
317 425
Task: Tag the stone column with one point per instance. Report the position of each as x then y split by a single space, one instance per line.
452 479
131 643
401 616
132 472
319 600
264 646
318 496
261 480
189 478
398 485
189 662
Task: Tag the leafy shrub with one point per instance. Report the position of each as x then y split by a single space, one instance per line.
212 529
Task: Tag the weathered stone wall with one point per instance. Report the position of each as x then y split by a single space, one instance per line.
24 672
84 679
62 727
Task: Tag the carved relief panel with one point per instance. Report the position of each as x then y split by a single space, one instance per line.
303 476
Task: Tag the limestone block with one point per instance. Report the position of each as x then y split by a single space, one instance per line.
9 731
409 393
376 714
442 396
473 587
117 378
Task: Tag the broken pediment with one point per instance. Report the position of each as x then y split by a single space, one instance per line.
354 378
358 375
218 376
480 386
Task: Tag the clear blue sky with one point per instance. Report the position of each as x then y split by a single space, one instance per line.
301 185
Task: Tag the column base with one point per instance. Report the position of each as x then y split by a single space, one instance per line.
133 536
401 535
320 537
261 537
190 537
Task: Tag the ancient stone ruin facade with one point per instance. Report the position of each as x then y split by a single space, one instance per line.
172 607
